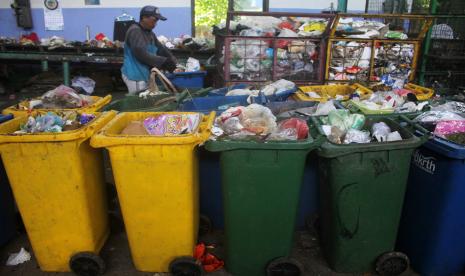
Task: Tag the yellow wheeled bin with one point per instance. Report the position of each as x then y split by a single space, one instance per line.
58 183
156 179
21 109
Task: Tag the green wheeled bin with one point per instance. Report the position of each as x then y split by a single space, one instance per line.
362 190
261 184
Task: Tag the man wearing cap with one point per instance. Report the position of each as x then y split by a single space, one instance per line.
143 51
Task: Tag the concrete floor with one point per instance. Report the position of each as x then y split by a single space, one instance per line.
118 259
116 251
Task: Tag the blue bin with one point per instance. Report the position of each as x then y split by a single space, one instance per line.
208 104
432 226
188 79
7 206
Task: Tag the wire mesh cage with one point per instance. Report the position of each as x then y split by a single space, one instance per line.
444 62
261 47
372 48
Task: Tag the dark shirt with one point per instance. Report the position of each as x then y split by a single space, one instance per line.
138 38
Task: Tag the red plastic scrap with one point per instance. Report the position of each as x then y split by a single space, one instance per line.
209 261
299 124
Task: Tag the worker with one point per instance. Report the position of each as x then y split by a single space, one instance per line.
143 51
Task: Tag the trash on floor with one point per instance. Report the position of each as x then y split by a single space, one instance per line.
209 261
18 258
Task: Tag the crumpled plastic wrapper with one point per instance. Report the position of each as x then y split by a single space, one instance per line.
18 258
169 124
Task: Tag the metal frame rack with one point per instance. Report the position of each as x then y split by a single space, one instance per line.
269 58
366 59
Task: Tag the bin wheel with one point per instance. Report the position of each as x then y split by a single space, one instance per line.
205 225
284 267
392 263
185 266
87 264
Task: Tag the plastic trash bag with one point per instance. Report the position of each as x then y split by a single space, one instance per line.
324 108
85 83
380 131
344 120
192 65
64 97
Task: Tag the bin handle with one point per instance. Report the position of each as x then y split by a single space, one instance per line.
426 133
101 121
206 125
153 87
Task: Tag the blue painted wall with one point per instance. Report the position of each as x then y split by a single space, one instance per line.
99 20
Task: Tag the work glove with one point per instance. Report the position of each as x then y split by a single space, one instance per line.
169 65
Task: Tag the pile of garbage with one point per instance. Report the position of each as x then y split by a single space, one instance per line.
55 122
187 42
276 88
395 101
269 26
55 42
257 122
446 121
367 29
164 125
341 127
62 97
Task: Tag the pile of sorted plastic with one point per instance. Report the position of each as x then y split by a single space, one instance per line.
396 101
253 59
58 98
350 60
257 122
277 88
55 42
187 42
341 127
272 26
164 125
366 29
393 63
8 40
55 122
